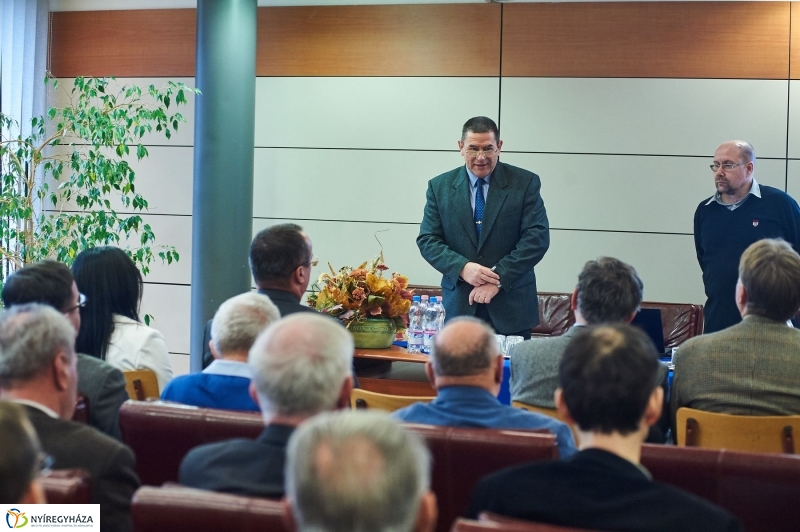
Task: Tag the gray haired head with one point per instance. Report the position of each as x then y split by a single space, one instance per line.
356 472
240 320
300 363
465 346
30 338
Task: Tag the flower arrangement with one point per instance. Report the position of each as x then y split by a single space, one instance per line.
356 294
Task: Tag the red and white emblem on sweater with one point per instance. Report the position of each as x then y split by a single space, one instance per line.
755 223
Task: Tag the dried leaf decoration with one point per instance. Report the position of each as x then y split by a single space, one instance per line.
355 294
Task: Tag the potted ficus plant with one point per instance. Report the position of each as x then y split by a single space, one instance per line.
57 182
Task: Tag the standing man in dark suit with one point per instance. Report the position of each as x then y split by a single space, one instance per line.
484 229
38 369
281 259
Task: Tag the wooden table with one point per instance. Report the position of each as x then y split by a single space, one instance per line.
379 378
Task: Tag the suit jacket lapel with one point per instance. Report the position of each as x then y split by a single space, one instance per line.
494 201
463 206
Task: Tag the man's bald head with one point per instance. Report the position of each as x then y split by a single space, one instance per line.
746 149
464 347
300 363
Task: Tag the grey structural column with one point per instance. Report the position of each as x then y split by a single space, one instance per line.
222 207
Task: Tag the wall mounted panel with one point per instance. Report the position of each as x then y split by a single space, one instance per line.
647 39
628 193
169 306
155 42
793 181
173 231
794 117
387 40
667 264
642 116
794 54
370 113
365 185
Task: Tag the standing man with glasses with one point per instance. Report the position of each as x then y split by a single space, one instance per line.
739 213
485 228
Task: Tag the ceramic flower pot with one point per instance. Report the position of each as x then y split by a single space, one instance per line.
373 333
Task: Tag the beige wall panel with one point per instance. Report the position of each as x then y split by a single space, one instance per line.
793 181
164 178
642 116
180 364
667 264
170 307
376 113
367 185
628 193
379 40
171 231
794 118
647 39
351 243
60 97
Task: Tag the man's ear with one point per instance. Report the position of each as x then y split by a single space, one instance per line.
253 392
630 318
343 402
288 515
498 369
430 373
561 407
428 513
213 350
61 371
741 297
652 412
460 145
573 300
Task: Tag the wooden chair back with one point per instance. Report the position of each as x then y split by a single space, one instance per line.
552 412
363 399
492 523
763 434
141 384
67 486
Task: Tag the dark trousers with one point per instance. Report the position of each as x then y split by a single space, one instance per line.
483 313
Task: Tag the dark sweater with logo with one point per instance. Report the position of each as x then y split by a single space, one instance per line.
722 235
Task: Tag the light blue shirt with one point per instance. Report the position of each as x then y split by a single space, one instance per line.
473 189
473 407
755 190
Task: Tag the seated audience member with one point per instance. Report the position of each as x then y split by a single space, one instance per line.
610 391
110 327
225 383
301 366
466 367
753 367
20 457
51 283
351 471
38 369
280 261
608 291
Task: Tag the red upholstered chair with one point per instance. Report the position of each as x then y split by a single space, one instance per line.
461 457
161 434
493 523
180 509
67 486
760 489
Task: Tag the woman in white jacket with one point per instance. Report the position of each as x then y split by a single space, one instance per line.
110 326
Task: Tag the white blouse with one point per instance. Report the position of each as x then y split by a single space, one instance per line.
134 346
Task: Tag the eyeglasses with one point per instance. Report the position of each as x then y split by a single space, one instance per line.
727 166
312 263
81 304
486 152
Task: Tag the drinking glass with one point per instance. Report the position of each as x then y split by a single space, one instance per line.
511 341
501 342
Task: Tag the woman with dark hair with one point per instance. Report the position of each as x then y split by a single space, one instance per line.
110 326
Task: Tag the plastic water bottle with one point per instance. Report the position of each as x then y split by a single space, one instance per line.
430 325
440 314
415 325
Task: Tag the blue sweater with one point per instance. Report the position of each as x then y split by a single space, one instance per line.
473 407
722 235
